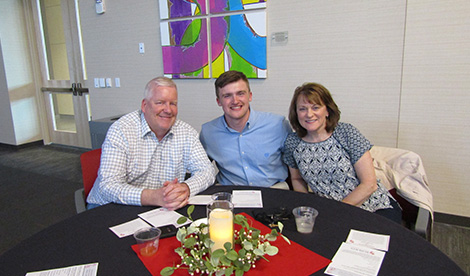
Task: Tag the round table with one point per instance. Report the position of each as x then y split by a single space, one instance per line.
86 238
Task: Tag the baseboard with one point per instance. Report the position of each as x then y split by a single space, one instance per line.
452 219
31 144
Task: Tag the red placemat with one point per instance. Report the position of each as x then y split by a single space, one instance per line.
293 259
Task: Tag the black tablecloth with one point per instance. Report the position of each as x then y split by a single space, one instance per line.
86 238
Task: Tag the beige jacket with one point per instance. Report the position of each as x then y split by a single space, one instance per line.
404 171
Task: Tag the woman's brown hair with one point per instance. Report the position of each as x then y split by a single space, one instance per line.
315 94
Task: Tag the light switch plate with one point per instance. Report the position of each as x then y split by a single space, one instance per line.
109 83
102 82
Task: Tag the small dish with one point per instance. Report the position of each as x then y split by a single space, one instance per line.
198 222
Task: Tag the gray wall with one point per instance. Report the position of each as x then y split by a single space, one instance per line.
397 69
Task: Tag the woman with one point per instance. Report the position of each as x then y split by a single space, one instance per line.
332 158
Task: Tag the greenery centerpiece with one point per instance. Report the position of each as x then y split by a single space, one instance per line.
197 258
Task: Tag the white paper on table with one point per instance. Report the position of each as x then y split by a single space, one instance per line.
161 217
376 241
355 260
200 200
247 199
128 228
77 270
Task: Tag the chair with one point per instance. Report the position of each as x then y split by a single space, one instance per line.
402 173
90 162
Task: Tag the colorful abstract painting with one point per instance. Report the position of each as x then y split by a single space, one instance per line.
218 6
170 9
237 41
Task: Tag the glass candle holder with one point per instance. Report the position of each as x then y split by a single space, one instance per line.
220 219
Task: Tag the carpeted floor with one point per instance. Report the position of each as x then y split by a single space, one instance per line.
37 185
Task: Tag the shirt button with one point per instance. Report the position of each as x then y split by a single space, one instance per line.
243 152
246 168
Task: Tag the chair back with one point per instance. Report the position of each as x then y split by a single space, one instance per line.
90 162
410 211
403 170
402 173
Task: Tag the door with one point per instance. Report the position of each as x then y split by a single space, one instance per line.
57 24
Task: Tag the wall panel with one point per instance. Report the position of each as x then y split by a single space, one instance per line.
436 98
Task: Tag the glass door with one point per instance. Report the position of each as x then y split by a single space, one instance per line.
63 70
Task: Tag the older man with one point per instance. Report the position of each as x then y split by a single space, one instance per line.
147 153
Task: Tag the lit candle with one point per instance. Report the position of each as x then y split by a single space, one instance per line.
220 227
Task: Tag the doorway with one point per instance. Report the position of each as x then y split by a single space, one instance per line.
62 64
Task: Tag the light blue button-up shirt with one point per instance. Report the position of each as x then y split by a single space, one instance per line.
251 157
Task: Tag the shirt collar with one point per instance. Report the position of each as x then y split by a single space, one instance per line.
248 124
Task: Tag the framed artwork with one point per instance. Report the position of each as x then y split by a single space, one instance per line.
201 42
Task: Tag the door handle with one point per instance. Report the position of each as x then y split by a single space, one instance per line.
79 89
76 89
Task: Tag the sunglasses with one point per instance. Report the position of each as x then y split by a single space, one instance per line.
271 217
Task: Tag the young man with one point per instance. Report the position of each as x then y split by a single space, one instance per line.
245 144
147 153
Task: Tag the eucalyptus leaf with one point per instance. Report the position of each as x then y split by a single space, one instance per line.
208 242
208 265
215 260
271 237
218 253
239 219
182 220
224 261
238 265
271 250
180 251
181 234
190 242
258 252
245 224
227 246
228 271
247 245
255 234
232 255
190 210
191 230
167 271
204 229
